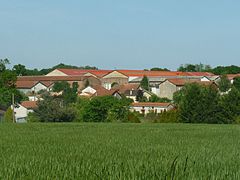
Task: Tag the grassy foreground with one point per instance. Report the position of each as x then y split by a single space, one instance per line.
119 151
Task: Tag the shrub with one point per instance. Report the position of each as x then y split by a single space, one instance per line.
133 117
8 116
168 117
32 117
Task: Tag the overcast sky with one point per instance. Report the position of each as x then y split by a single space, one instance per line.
124 34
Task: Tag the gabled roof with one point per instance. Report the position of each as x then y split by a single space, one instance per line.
81 72
150 104
26 84
29 104
232 76
101 91
127 87
182 82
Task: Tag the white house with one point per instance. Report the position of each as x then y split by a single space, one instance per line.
21 110
147 107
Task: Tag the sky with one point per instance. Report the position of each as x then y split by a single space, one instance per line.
124 34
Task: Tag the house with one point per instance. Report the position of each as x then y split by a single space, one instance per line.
98 90
34 84
170 86
130 90
147 107
32 87
22 110
232 76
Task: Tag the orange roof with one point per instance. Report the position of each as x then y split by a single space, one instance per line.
232 76
51 78
150 104
125 87
182 82
80 72
26 84
29 104
135 73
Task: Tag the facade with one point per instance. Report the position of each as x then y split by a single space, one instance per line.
146 107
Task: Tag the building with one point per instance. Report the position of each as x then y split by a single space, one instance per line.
170 86
232 76
98 90
34 84
22 110
147 107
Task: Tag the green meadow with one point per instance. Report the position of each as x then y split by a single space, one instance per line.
119 151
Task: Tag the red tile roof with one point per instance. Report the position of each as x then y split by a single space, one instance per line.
125 87
26 84
135 73
232 76
80 72
150 104
29 104
182 82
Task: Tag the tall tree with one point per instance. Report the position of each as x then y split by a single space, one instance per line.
236 83
145 83
20 70
224 84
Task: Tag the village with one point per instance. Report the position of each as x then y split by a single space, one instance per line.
116 83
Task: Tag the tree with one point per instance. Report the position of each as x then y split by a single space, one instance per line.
224 84
20 70
60 86
53 110
145 83
236 83
3 63
199 104
8 116
159 69
155 98
140 96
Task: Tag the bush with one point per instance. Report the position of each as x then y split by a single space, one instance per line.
8 116
32 117
168 117
133 117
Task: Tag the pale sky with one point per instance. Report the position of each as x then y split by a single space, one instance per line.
125 34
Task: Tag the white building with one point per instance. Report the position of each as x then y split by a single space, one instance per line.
21 110
147 107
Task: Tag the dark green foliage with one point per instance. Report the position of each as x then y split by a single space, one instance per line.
159 69
198 104
145 83
224 84
221 70
155 98
140 96
168 117
53 110
33 118
236 83
133 117
104 109
230 105
60 86
8 116
194 68
7 85
20 70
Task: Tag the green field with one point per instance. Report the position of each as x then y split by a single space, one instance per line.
119 151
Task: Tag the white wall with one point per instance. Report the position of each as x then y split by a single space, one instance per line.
149 109
21 113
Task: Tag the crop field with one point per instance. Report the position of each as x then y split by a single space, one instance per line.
119 151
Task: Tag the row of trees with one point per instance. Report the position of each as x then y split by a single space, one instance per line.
219 70
7 85
204 104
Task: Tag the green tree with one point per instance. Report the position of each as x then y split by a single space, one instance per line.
53 110
20 70
145 83
236 83
8 116
224 84
155 98
60 86
3 63
199 104
159 69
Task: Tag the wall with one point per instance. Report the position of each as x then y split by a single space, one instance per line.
167 89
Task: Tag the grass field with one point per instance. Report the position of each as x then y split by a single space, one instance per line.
119 151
